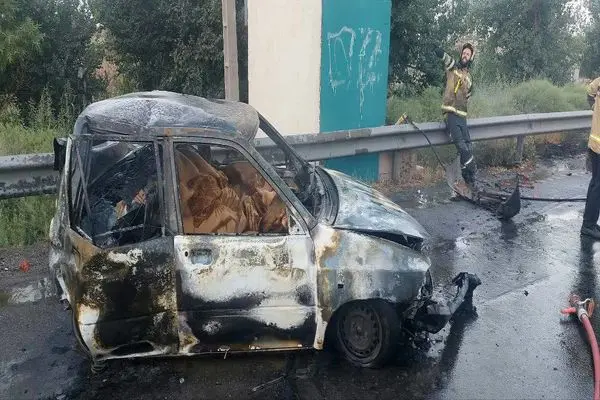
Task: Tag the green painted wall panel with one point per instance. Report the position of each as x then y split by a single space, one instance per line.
354 73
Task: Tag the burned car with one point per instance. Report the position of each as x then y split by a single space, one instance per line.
175 235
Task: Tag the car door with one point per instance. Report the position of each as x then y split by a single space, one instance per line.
121 281
243 283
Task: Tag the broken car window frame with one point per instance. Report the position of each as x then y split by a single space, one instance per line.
95 138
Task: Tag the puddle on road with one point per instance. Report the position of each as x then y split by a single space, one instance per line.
27 294
461 243
563 215
423 198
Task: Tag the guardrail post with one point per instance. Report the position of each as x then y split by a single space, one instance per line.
386 166
404 164
520 146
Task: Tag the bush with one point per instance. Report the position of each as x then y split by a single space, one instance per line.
9 111
491 100
541 96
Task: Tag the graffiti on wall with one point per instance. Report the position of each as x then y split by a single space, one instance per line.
354 55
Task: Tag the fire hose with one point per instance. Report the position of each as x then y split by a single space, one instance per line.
405 118
584 310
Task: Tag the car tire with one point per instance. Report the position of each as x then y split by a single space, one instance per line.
367 333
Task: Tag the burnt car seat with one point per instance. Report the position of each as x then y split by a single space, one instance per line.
235 200
272 210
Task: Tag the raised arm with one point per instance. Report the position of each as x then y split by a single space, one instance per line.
449 62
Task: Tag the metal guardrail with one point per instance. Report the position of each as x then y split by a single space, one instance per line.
27 175
32 174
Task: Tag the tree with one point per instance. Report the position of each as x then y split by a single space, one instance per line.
66 55
171 45
590 65
19 35
525 39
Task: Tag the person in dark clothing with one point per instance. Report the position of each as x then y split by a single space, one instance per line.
455 99
592 205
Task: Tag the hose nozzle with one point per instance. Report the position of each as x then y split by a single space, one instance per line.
579 307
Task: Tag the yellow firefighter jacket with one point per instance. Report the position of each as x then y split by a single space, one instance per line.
593 90
458 87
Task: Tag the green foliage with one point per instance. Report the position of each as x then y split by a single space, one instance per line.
424 107
590 65
20 37
66 54
17 139
26 220
524 40
185 38
42 113
539 96
10 114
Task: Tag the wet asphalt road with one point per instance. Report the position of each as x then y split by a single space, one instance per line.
517 346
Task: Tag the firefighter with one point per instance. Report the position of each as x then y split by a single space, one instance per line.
454 107
592 205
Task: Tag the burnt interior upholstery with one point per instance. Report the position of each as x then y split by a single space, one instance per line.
234 200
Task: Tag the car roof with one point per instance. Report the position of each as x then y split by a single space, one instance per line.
137 113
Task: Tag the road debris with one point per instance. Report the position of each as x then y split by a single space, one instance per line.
24 266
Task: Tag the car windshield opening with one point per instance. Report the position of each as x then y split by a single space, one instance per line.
299 175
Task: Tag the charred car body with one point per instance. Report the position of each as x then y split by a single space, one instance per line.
173 235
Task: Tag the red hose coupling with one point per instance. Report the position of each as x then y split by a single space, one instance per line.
579 307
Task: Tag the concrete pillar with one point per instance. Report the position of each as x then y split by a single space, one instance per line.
284 55
319 66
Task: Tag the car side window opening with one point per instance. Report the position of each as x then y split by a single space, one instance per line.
221 192
115 199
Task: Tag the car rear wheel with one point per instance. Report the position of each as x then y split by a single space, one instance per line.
367 333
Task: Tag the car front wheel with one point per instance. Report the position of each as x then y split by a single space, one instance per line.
367 333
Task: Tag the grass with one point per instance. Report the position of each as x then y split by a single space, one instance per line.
17 139
26 220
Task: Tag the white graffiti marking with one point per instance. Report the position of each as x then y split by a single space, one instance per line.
335 42
341 56
367 76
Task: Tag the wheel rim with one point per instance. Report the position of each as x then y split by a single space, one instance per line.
361 332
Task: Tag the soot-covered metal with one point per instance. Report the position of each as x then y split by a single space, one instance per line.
268 258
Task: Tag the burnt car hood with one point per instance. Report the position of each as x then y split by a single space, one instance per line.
363 208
